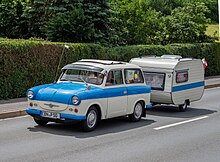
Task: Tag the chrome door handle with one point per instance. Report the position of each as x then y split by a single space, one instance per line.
125 92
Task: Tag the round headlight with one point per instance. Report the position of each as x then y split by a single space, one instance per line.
75 100
30 94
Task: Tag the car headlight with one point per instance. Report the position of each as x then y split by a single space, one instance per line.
30 94
75 100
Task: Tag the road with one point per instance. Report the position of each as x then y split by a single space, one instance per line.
164 135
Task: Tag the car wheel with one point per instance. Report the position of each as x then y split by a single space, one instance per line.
40 122
91 120
137 114
183 107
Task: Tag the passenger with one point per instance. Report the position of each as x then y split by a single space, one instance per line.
110 79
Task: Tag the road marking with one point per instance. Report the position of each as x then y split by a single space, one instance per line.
14 118
179 123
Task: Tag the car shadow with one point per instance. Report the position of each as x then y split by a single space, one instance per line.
109 126
173 111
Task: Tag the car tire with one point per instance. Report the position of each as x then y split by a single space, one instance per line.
90 123
137 114
40 122
183 107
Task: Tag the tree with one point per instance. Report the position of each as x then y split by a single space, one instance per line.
96 13
136 23
70 26
12 24
187 24
38 12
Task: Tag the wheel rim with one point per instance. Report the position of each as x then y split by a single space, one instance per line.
138 111
91 119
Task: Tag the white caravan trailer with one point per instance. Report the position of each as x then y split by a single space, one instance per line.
173 79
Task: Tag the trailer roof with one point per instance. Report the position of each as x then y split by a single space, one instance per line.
159 62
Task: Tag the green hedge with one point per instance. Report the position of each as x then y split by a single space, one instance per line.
24 64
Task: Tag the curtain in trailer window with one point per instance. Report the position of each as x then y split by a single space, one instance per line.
155 80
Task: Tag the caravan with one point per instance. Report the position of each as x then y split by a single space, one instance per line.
173 79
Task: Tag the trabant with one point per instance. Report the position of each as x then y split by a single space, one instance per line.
89 91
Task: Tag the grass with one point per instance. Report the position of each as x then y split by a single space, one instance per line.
212 30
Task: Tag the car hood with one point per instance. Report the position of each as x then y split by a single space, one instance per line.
60 92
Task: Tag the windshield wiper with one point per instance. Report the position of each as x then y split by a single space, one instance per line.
87 85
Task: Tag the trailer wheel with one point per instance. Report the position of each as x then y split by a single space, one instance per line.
183 107
137 114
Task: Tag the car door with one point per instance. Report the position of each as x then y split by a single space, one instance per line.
116 91
135 85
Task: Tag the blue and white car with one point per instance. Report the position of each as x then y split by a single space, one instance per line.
89 91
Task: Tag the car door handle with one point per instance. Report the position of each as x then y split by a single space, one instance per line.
125 92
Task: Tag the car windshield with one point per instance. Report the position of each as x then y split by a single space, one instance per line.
82 76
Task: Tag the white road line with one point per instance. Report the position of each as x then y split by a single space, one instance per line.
179 123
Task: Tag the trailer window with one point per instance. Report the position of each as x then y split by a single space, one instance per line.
181 76
155 80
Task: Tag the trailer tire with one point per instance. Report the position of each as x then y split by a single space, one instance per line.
183 107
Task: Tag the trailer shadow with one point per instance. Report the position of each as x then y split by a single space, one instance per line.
110 126
173 111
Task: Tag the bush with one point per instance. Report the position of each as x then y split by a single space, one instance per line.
24 64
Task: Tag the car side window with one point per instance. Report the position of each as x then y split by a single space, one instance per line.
114 78
133 76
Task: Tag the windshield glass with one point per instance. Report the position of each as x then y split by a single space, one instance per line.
82 76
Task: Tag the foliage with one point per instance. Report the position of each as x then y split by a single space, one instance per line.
136 24
24 64
12 23
98 13
165 6
212 6
70 26
47 17
38 12
187 24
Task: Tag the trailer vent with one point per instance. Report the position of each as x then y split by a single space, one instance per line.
171 56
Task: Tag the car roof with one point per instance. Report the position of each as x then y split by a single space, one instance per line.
103 64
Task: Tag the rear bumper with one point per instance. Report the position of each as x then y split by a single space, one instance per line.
38 113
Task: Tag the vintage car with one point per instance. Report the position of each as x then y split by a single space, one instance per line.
89 91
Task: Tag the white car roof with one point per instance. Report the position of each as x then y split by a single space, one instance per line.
105 64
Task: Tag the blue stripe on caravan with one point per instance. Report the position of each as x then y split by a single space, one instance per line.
188 86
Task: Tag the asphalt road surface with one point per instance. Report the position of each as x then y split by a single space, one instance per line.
164 135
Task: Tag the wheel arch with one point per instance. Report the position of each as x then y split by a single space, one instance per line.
97 106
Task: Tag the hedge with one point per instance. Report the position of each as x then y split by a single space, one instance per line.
24 64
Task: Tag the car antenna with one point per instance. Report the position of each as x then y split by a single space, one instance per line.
63 51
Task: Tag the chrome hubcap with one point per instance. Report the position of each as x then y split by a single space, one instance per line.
91 119
138 111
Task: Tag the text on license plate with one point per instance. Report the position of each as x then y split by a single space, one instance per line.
53 115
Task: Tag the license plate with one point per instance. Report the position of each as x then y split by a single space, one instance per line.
53 115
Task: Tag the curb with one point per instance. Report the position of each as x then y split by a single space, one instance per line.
23 112
13 114
212 86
